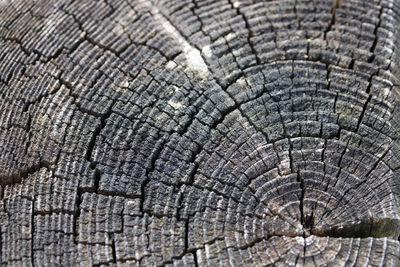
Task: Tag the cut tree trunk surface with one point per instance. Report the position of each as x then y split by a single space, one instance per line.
200 133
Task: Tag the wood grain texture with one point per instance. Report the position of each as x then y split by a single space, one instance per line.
199 133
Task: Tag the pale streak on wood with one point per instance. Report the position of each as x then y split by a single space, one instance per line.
192 55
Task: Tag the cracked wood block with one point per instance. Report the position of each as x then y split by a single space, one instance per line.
195 133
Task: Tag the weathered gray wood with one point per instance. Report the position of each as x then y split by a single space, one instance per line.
200 133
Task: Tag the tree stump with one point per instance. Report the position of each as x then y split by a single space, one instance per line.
199 133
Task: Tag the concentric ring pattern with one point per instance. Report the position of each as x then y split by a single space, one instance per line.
192 132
